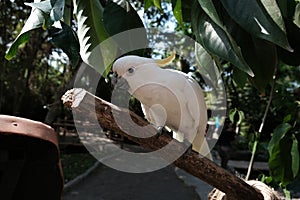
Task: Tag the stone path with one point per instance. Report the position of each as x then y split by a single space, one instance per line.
105 183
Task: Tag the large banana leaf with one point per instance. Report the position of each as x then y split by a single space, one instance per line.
261 56
65 38
35 20
118 17
216 41
261 19
43 14
284 155
91 32
210 10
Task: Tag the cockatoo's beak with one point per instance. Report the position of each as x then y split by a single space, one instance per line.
119 82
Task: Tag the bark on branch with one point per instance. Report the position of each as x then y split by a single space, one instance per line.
201 167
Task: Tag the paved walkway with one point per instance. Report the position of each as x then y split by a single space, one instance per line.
105 183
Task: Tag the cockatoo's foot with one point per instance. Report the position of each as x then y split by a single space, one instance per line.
189 149
159 131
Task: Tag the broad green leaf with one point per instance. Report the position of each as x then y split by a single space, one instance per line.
291 58
178 12
149 3
240 78
91 32
295 157
216 41
297 15
185 10
206 64
274 11
119 18
157 3
280 161
35 20
210 10
57 10
66 39
122 17
287 118
260 55
252 16
278 134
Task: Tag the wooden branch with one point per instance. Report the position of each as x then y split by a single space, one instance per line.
85 103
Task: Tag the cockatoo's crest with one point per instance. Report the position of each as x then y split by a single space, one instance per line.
166 61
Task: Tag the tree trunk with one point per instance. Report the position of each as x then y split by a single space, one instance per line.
85 103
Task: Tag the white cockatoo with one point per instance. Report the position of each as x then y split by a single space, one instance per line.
168 97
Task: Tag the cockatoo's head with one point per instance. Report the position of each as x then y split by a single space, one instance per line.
126 68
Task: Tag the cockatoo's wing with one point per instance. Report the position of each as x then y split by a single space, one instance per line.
199 143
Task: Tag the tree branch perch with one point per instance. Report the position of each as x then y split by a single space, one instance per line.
84 102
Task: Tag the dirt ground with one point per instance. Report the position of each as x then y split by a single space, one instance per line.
105 183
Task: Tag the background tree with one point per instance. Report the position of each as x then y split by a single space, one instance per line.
29 83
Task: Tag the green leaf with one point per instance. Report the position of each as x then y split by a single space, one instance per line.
178 12
262 58
210 10
216 41
295 157
287 193
278 134
91 32
239 77
232 113
274 12
241 117
57 10
185 10
260 55
252 16
287 118
123 17
297 15
206 64
157 3
149 3
280 161
66 39
232 116
34 21
291 58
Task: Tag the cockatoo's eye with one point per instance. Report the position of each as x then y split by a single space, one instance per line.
131 70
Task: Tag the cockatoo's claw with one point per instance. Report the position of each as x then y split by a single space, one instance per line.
188 151
189 148
159 131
